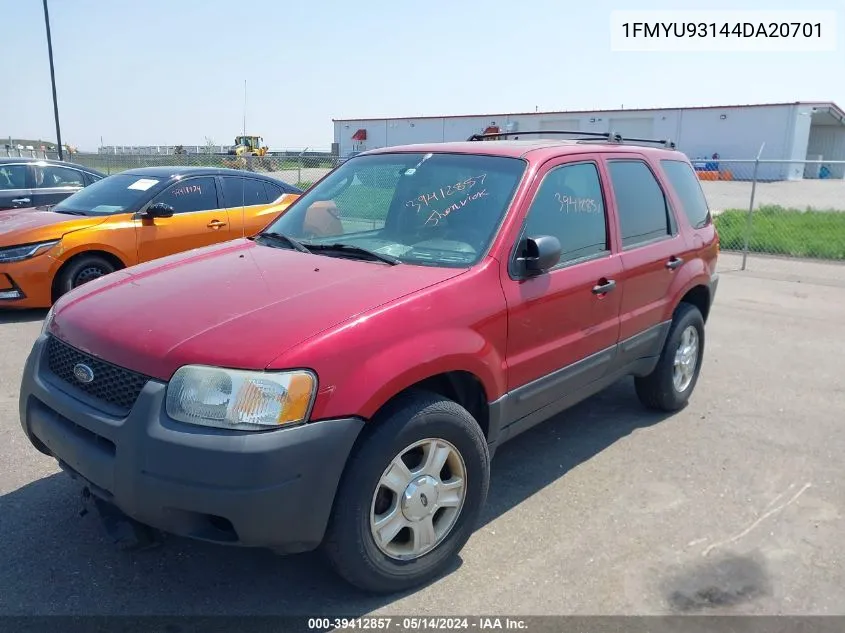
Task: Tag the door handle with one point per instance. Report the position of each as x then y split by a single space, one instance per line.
604 286
215 224
21 200
674 262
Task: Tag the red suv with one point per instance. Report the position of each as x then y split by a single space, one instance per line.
346 388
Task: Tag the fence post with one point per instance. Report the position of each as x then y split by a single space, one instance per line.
299 166
751 207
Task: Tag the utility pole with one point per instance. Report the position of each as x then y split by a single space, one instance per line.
53 81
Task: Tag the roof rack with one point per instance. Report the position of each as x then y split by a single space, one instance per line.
594 137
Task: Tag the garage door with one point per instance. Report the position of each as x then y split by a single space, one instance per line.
571 125
633 127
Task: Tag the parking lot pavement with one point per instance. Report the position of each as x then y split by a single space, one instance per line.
733 505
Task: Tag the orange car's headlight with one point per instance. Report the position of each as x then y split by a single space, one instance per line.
25 251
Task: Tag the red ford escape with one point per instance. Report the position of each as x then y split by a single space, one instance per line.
347 391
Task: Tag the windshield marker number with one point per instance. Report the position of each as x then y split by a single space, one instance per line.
186 190
445 192
573 204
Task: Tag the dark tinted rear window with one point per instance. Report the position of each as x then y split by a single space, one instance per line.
685 183
643 211
243 191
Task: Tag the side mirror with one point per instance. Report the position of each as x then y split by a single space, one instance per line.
539 254
159 210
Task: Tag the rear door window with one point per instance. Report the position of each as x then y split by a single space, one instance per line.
243 192
49 177
642 207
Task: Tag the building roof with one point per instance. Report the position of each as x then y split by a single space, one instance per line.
829 104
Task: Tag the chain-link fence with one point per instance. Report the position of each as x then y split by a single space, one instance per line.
788 208
298 170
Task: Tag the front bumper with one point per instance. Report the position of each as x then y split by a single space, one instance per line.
27 284
268 489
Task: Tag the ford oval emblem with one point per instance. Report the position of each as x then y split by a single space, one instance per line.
83 373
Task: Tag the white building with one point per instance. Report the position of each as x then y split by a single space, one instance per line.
791 132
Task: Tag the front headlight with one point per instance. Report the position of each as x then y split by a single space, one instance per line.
240 400
19 253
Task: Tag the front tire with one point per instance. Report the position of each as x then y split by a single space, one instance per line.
410 496
670 385
81 271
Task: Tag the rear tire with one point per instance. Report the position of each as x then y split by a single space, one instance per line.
670 385
81 271
395 528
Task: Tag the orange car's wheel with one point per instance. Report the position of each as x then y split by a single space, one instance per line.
82 270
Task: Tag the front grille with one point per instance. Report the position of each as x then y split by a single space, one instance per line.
112 384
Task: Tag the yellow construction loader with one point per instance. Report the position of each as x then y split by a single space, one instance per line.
249 146
245 147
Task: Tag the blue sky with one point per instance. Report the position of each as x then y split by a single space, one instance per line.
173 71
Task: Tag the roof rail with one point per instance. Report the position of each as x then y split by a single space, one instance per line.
607 137
481 137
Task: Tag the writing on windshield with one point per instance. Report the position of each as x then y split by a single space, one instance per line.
436 216
445 191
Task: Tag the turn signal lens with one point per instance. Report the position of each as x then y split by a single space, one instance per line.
240 400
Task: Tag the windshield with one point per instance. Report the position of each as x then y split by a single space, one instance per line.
113 194
429 209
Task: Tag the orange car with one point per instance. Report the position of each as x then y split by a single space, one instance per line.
129 218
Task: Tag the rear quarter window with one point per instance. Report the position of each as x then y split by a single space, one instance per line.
277 190
683 180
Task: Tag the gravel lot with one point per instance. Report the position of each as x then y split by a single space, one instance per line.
292 176
733 505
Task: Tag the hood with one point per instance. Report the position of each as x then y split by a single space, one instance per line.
24 226
238 305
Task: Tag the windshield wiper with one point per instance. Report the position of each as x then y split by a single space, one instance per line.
281 237
356 250
67 211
